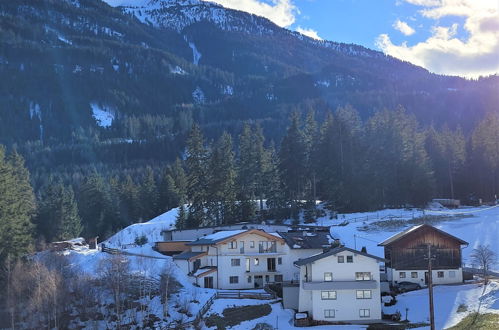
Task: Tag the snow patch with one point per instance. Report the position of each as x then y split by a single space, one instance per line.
103 115
227 90
198 96
196 55
322 83
178 70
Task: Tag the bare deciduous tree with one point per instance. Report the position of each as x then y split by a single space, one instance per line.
485 258
115 272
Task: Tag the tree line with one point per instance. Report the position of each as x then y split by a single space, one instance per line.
347 163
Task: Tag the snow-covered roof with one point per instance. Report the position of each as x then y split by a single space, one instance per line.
226 234
398 236
307 240
331 252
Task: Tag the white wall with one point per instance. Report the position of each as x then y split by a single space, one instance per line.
420 279
346 305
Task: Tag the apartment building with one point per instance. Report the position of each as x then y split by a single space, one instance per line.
341 284
246 259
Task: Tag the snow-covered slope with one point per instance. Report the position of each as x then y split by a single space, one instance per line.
151 229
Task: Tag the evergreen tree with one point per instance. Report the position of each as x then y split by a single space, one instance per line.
221 183
17 206
58 217
130 208
181 220
197 156
292 165
94 206
149 196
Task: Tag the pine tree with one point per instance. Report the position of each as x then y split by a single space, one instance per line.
17 206
71 223
94 206
221 183
292 166
58 217
197 156
129 201
149 196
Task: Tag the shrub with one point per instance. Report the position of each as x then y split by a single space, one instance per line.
141 240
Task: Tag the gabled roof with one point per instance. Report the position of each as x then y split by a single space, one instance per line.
404 233
332 252
306 240
230 235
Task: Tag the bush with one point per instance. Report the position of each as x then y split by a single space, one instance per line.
141 240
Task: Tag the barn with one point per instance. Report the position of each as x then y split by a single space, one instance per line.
407 255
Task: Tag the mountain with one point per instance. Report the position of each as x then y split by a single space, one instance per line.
92 84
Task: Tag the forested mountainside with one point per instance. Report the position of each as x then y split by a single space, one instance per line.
100 100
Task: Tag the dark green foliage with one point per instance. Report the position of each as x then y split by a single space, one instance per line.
17 206
141 240
197 162
58 217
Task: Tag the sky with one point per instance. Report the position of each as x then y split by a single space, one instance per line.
452 37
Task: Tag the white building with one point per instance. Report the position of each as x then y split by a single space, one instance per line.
340 285
246 259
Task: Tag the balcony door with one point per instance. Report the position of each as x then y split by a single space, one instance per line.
248 263
208 282
271 264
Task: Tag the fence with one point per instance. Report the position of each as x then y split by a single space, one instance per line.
245 295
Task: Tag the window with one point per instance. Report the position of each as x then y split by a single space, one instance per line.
452 273
279 261
267 247
328 295
249 279
248 263
267 278
349 259
364 313
440 274
234 279
402 274
363 276
277 278
341 259
233 245
414 274
329 313
252 244
235 262
257 261
364 294
328 277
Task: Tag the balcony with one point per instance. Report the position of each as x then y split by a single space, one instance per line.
340 285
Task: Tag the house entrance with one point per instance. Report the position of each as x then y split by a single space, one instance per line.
258 281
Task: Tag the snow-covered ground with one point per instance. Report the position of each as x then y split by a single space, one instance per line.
479 226
279 318
103 115
447 299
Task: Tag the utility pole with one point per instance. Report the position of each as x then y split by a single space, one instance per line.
430 289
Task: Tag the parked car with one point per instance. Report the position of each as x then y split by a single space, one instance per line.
407 286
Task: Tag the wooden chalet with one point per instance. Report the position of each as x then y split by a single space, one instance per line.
407 251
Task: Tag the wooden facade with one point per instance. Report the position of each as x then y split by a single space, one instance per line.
409 249
172 248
